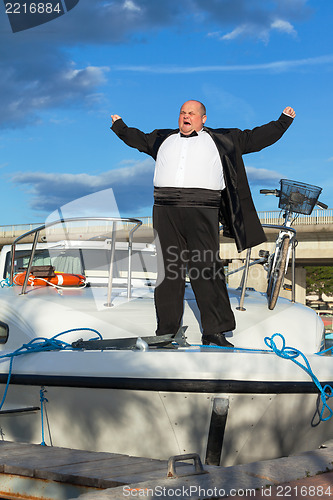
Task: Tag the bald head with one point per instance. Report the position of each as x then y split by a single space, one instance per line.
192 117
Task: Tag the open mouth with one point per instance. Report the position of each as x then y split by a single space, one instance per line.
187 122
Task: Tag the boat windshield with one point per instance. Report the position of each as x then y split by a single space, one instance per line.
93 263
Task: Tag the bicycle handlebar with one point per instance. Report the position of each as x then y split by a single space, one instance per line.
276 192
322 205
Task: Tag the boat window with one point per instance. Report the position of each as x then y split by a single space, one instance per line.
97 263
144 264
42 258
67 261
88 262
4 329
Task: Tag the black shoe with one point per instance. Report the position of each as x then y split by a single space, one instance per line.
217 339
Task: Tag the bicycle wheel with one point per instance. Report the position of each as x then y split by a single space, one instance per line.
276 275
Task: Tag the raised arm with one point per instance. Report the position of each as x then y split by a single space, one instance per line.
261 137
135 138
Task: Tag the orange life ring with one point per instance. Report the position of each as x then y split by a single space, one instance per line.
60 279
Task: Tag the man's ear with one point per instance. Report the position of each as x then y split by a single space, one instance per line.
204 118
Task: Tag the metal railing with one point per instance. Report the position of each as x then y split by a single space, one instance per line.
318 216
36 231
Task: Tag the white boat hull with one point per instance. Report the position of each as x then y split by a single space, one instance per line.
159 403
160 424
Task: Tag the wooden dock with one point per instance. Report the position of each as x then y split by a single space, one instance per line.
35 472
40 472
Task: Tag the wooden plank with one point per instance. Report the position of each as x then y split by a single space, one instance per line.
56 455
79 467
109 466
58 459
37 448
151 475
103 473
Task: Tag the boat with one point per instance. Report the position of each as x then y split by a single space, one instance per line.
81 367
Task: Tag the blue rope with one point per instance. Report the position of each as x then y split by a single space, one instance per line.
39 344
7 384
79 330
43 400
5 282
291 353
320 353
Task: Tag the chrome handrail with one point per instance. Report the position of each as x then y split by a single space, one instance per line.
37 230
244 280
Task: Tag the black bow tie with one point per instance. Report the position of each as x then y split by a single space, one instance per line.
194 133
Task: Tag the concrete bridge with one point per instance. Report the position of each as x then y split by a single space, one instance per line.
314 236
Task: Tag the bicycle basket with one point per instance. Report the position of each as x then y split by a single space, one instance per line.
298 197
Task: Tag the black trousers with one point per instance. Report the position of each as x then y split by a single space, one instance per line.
189 241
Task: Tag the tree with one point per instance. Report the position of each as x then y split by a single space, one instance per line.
319 280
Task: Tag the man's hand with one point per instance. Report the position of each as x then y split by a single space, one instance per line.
289 111
117 117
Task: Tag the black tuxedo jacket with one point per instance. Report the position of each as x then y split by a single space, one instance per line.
238 214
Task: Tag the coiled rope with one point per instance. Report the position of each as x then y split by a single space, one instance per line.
292 354
40 344
5 282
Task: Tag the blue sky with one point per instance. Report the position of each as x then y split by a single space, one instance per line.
141 59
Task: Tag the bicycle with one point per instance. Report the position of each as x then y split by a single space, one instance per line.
295 198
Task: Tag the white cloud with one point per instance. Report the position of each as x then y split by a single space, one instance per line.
283 26
275 66
260 32
131 6
263 176
132 185
241 30
90 76
63 84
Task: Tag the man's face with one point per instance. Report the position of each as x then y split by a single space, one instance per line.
191 117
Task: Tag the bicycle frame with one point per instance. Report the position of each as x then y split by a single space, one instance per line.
295 198
248 264
290 232
285 231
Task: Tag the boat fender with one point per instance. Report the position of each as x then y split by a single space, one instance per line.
59 279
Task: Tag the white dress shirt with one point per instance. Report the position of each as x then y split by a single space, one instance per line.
189 162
